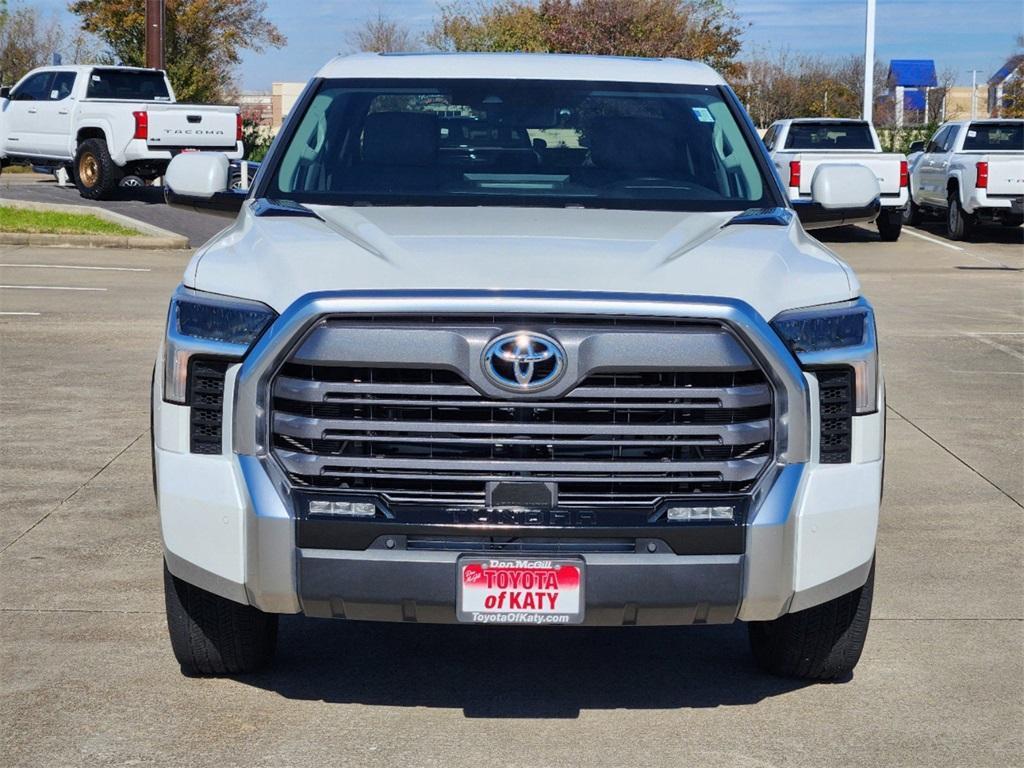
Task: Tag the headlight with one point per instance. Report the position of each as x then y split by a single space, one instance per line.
207 325
836 334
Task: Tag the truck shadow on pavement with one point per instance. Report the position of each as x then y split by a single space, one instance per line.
935 229
500 672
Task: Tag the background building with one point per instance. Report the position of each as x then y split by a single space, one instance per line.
282 98
910 82
1011 72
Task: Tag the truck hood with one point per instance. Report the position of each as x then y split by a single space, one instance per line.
279 259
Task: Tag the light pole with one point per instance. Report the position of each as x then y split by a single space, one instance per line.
974 93
869 61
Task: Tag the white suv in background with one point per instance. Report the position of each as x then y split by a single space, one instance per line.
519 339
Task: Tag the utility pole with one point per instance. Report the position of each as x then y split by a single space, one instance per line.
869 61
155 34
974 93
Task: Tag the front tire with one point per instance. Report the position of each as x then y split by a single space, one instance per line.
96 175
211 635
819 643
890 223
959 223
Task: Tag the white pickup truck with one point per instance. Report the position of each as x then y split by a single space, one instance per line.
799 146
107 122
972 172
610 382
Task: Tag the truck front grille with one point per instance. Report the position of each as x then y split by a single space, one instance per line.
415 434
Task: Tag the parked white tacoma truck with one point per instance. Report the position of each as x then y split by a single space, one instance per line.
798 147
103 123
609 380
972 173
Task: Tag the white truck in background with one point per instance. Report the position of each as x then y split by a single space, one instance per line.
971 172
799 146
105 123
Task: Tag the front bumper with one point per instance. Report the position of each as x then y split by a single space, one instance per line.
377 585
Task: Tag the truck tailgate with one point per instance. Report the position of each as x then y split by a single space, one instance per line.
886 167
183 126
1005 175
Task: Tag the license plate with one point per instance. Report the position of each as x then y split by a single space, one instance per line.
513 590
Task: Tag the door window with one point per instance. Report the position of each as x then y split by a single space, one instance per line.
33 89
61 86
769 137
937 141
950 138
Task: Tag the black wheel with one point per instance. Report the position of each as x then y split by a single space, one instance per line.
819 643
889 223
96 176
959 223
211 635
912 214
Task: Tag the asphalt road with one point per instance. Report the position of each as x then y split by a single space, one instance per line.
87 677
145 204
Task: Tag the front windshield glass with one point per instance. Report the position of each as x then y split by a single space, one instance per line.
519 142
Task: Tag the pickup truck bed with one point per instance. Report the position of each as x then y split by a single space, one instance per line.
799 147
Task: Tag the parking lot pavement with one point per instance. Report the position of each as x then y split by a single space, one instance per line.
87 677
145 204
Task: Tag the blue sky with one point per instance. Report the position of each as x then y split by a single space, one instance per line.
958 34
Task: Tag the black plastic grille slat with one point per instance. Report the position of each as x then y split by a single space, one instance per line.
379 420
206 398
835 396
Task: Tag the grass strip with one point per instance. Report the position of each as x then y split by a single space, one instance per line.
58 222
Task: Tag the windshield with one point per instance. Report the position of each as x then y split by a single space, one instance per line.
127 85
519 142
993 137
825 136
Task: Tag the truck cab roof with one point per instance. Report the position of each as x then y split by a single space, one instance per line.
532 66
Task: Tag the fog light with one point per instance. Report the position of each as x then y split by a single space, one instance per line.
700 514
343 508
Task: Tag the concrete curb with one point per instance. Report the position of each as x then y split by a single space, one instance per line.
150 237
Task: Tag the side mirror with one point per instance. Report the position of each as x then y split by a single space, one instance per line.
5 92
916 146
200 180
840 194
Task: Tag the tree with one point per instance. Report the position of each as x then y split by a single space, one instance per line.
779 85
202 39
1012 103
27 40
383 35
705 30
1013 95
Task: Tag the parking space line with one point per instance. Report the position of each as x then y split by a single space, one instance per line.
69 266
944 244
934 240
32 314
50 288
995 344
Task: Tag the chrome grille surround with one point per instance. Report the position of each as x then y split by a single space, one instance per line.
788 427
